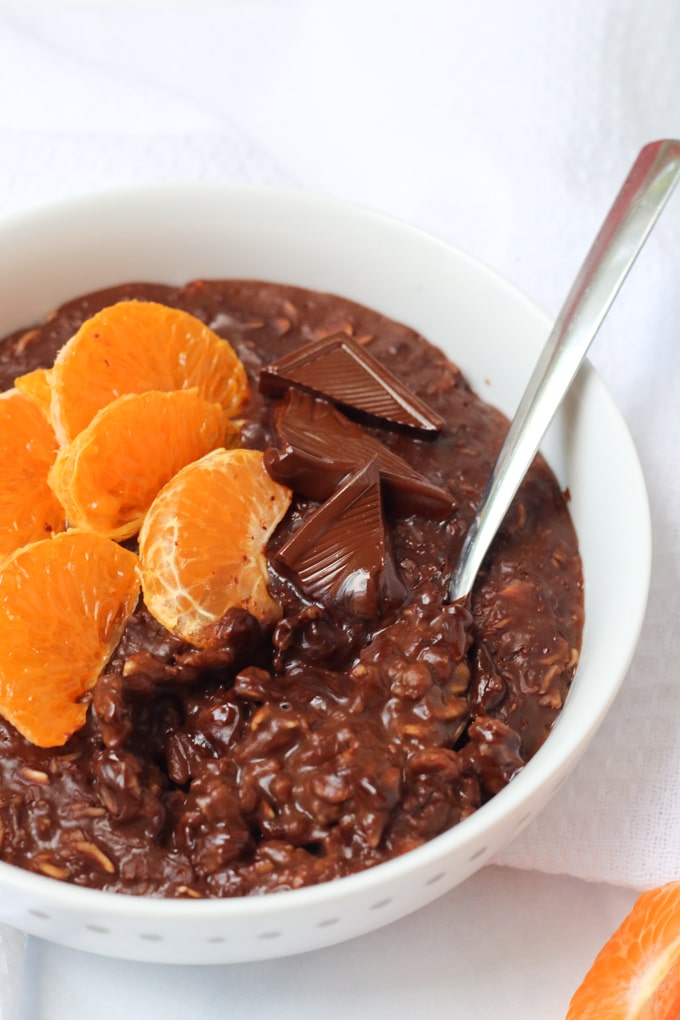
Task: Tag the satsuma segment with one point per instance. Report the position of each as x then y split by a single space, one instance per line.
202 543
29 510
636 976
36 386
64 603
134 346
107 478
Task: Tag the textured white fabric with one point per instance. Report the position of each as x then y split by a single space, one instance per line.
505 128
12 949
75 162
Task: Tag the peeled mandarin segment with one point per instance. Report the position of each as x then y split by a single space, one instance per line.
36 387
202 543
64 603
636 975
107 478
134 346
29 510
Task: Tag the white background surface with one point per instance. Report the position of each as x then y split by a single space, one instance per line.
505 128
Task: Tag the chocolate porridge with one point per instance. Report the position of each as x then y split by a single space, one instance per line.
371 717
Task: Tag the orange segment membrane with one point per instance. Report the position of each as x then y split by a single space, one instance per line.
29 510
203 540
64 603
107 478
135 346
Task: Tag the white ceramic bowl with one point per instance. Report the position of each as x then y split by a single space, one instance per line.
176 233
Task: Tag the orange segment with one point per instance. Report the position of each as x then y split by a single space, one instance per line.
636 976
203 540
64 603
107 478
29 510
36 386
134 346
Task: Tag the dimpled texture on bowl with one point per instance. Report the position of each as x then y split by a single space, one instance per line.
175 233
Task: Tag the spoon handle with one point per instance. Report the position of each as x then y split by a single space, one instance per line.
635 211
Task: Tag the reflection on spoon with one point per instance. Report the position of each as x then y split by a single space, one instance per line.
635 211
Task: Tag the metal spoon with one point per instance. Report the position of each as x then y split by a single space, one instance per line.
636 209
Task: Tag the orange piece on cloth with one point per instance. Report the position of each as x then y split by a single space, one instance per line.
636 975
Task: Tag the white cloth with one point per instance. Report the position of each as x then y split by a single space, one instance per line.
504 128
417 967
12 950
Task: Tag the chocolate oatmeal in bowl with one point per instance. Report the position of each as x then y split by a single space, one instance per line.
369 716
326 718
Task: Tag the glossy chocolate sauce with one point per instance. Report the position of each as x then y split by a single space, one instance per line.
374 716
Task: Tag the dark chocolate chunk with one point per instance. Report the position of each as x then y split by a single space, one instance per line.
341 556
339 368
320 447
